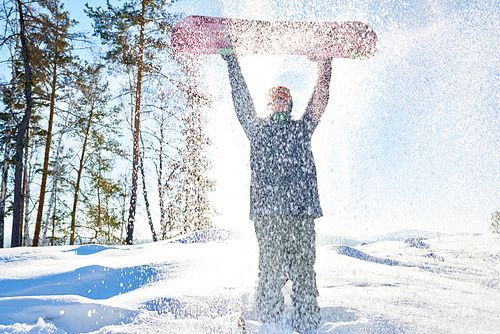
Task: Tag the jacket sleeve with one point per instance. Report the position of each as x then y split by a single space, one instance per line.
319 99
243 103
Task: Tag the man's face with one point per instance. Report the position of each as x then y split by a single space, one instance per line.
280 105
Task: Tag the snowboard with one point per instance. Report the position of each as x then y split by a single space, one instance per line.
214 35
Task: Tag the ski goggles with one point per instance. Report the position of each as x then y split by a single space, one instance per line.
280 91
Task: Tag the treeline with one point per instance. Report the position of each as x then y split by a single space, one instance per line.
83 140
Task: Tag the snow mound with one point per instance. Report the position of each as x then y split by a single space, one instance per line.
40 328
205 283
210 235
54 314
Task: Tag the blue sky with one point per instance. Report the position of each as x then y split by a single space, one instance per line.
410 137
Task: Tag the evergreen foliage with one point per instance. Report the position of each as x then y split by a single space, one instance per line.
96 128
134 36
69 182
51 31
22 129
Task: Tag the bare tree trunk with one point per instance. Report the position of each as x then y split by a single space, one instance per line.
145 194
78 178
45 170
26 197
108 222
123 210
25 180
161 185
137 130
164 212
5 174
160 181
98 225
16 215
52 239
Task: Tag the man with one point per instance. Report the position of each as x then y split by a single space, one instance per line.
284 197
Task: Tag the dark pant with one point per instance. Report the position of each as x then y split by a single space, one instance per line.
287 246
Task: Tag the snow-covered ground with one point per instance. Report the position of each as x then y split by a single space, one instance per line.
203 283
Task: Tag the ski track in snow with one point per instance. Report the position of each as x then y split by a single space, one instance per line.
203 282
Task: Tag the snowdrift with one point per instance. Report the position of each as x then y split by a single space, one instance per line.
204 283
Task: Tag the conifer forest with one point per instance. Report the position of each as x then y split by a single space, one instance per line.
98 128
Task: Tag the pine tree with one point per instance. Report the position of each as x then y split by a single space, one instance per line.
161 136
134 34
53 32
94 115
195 185
25 78
190 209
164 157
58 177
10 97
21 133
101 214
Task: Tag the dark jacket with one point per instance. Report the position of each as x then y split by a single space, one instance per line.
284 178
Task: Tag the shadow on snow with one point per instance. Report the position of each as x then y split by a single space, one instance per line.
89 249
95 282
357 254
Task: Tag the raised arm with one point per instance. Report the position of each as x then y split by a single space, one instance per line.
243 103
319 99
